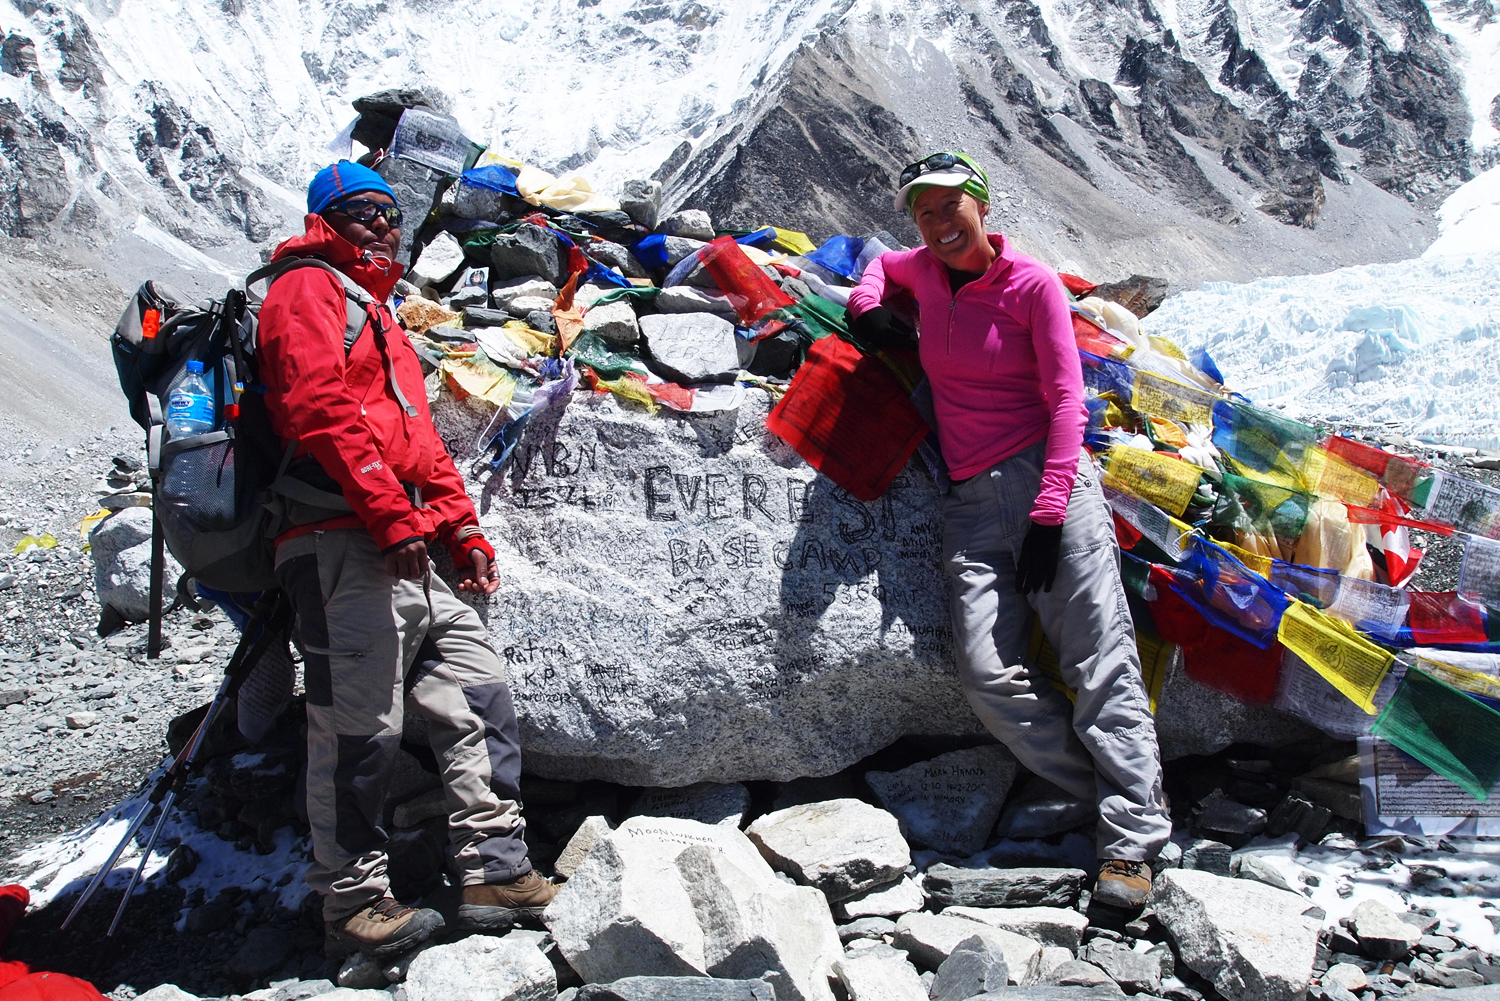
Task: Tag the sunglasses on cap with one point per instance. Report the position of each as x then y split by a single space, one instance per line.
932 164
367 211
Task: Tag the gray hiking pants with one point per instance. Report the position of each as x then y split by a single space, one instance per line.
1103 747
376 647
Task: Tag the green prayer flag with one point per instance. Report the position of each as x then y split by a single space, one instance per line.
1453 734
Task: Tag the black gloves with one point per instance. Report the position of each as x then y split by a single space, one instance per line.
1036 567
880 328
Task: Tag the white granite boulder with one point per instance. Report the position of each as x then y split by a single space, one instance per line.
873 971
1251 941
931 938
884 901
686 299
1051 926
666 897
691 347
844 847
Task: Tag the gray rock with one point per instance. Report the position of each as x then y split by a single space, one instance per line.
438 262
614 322
844 847
878 973
676 248
166 992
1040 809
530 250
691 223
641 200
678 688
686 299
1219 813
886 901
470 201
870 928
522 305
1060 927
691 347
1252 942
615 256
361 972
81 720
931 938
1020 887
1136 972
502 293
478 316
678 989
975 966
541 320
1294 813
579 845
1192 718
120 547
264 950
1445 976
13 696
1346 975
1077 973
1104 992
481 968
705 802
950 803
303 989
667 897
1249 866
355 994
1381 932
1208 856
1053 956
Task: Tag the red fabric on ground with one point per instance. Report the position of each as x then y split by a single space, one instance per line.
846 414
50 987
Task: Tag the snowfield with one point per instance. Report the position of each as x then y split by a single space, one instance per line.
1412 346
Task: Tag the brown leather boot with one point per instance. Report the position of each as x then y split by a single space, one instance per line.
1123 884
385 928
497 907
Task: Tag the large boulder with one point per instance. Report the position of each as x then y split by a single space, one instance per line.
931 938
684 599
876 972
530 250
1251 941
120 547
677 989
665 897
843 847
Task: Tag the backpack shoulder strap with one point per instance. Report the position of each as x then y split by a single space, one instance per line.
357 301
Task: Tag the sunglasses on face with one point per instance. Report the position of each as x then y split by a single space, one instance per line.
933 163
367 211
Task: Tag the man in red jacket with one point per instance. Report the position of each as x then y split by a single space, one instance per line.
381 633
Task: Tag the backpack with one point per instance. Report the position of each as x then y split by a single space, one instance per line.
222 496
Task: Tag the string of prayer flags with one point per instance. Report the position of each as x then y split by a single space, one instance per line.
1212 656
1465 680
1308 695
1398 474
1167 482
1330 646
1263 443
1265 518
1453 734
1330 475
1445 618
1150 521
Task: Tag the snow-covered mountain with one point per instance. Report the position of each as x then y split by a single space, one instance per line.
1191 138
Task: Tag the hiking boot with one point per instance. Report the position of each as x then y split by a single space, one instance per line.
497 907
385 928
1123 884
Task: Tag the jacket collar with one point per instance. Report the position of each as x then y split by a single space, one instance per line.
320 240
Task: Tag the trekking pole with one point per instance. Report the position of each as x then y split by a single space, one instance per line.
271 615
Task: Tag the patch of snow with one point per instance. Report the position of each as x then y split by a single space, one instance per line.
1469 219
1476 37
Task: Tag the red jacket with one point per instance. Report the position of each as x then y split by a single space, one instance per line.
342 410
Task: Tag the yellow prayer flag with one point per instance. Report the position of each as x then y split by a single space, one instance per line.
1163 397
1253 561
87 525
1329 475
1330 646
793 242
1164 481
1164 346
1466 681
489 383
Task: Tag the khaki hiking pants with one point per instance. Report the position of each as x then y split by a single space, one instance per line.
1103 747
376 647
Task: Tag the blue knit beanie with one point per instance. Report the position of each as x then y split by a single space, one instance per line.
339 180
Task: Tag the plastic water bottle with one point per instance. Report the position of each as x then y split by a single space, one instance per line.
190 407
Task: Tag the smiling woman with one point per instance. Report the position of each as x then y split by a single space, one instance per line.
1026 530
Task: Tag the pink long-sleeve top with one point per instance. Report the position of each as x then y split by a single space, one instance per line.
1002 361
